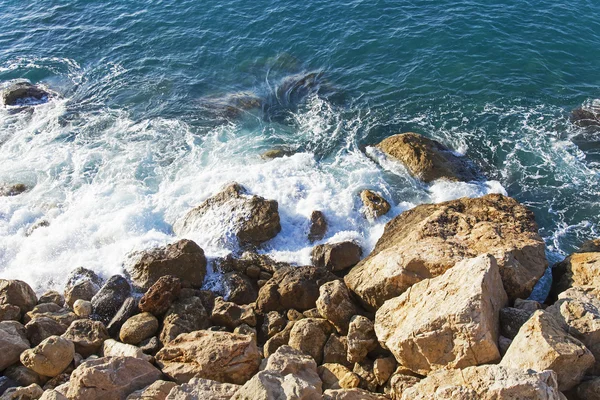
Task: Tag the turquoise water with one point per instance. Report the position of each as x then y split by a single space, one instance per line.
139 133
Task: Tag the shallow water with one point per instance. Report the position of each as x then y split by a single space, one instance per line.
139 134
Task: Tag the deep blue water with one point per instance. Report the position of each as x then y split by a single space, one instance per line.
139 135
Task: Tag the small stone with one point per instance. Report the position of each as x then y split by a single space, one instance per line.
112 348
364 370
139 327
150 345
239 288
83 284
337 376
530 306
336 350
375 205
159 390
198 388
245 329
83 308
279 339
253 271
294 315
274 322
13 190
50 357
24 376
383 368
318 226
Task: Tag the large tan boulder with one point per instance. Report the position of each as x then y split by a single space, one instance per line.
425 158
13 342
17 293
335 305
542 344
219 356
31 392
198 388
309 335
50 357
486 382
428 240
111 378
446 322
252 219
184 316
159 390
336 376
578 269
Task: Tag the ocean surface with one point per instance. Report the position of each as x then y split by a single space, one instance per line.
156 111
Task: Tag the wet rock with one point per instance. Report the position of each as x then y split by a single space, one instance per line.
279 339
277 153
336 350
337 376
127 310
50 357
198 388
426 159
161 295
184 316
17 293
587 117
239 288
8 312
21 93
334 304
292 287
42 223
486 382
52 296
111 378
336 256
252 219
112 348
83 284
220 356
41 328
361 338
82 308
183 259
511 320
87 336
318 226
542 344
231 315
429 239
250 261
446 322
352 394
309 335
138 328
13 342
110 298
31 392
159 390
13 190
374 205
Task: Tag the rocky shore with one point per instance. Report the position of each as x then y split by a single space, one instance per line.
438 310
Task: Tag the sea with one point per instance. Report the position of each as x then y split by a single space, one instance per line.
158 104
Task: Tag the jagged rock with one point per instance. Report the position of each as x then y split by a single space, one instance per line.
277 153
318 226
112 348
542 344
8 312
245 329
431 238
334 304
486 382
336 256
159 390
83 284
399 382
425 158
111 378
83 308
52 296
292 287
198 389
87 336
110 297
587 117
138 328
231 315
184 316
279 339
288 374
446 322
364 370
336 350
374 205
248 260
309 335
511 320
383 368
23 92
578 269
252 219
128 309
13 342
41 328
50 357
352 394
361 338
24 376
17 293
239 288
221 356
183 259
161 295
337 376
273 323
31 392
294 315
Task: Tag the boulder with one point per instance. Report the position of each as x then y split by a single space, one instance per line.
52 296
399 382
428 240
336 256
486 382
41 328
589 390
292 287
374 205
318 226
50 357
83 308
22 93
383 368
87 336
8 312
446 322
426 159
83 284
587 117
279 339
17 293
367 378
352 394
273 323
231 315
150 346
112 348
199 389
183 259
24 376
220 356
110 298
309 335
542 344
128 309
161 295
252 219
50 310
361 338
13 342
578 269
138 328
336 350
336 376
111 378
31 392
530 306
239 288
336 306
159 390
288 374
184 316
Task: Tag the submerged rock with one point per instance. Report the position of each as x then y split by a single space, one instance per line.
13 190
375 205
318 226
277 153
24 93
587 117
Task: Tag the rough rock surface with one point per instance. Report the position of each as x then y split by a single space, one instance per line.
336 256
111 378
52 296
361 338
12 342
486 382
112 348
337 376
159 390
578 269
87 336
41 328
31 392
17 293
352 394
184 316
542 344
336 306
318 226
374 205
110 297
239 288
198 388
138 328
309 335
279 339
231 315
292 287
429 239
161 295
83 284
220 356
589 390
425 158
511 320
252 219
183 259
50 357
50 310
336 350
446 322
22 93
